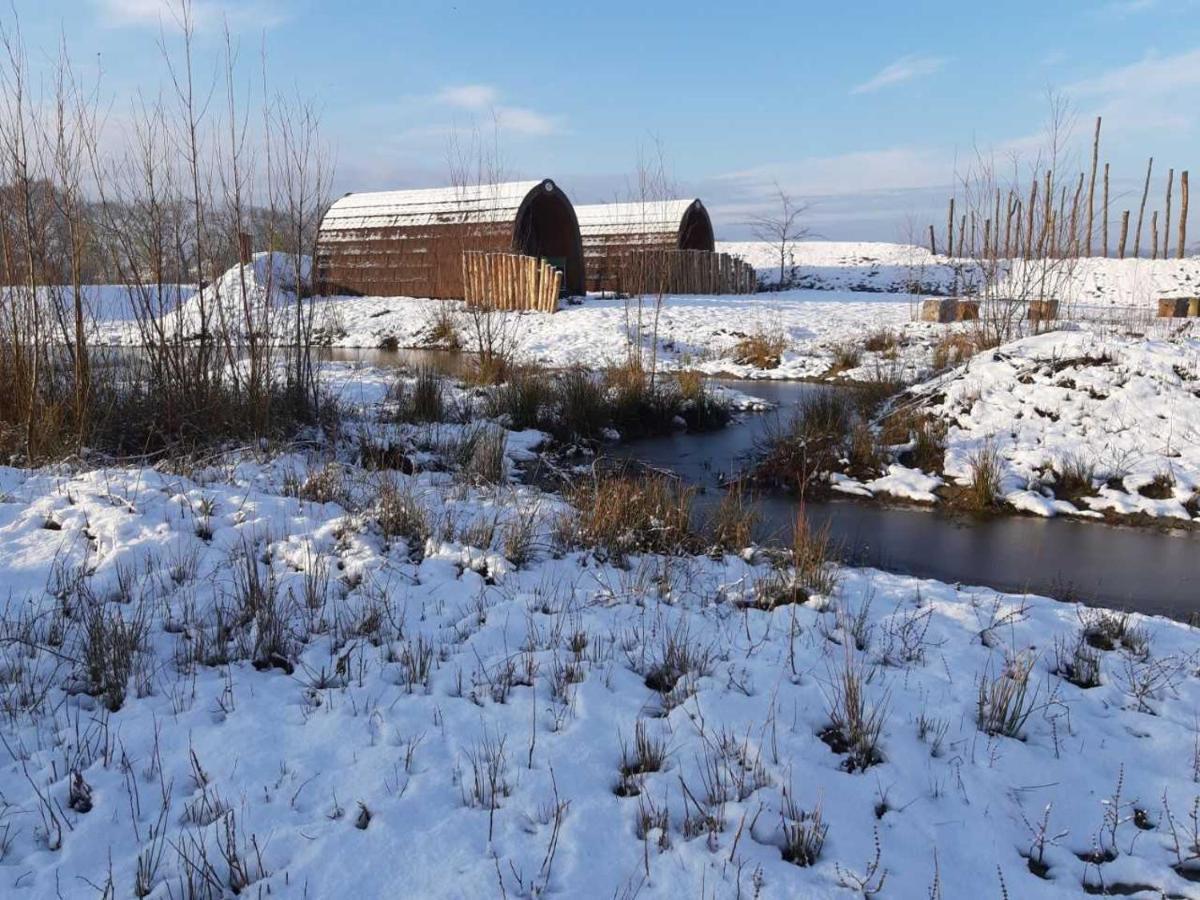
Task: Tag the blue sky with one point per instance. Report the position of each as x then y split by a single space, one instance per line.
863 109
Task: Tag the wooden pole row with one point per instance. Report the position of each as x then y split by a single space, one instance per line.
510 281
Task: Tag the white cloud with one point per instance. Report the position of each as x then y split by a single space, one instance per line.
469 96
205 13
894 168
484 100
519 120
904 69
1144 94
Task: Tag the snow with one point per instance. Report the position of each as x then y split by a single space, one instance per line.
662 217
402 209
204 757
1090 284
1128 408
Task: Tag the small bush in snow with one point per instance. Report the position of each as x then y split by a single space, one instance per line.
623 514
804 832
110 642
1076 661
400 514
1005 703
982 492
762 348
856 723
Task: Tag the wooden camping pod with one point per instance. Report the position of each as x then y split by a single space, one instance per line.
617 236
411 243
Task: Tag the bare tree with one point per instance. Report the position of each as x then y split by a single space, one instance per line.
782 228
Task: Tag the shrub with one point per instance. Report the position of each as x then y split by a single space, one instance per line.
982 493
636 405
622 514
400 514
846 356
581 412
648 754
731 526
810 444
881 340
1004 704
1077 662
806 568
762 348
1073 478
678 657
855 723
109 645
697 406
427 400
521 399
443 330
803 832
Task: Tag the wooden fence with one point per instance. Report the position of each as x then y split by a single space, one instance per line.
511 281
686 272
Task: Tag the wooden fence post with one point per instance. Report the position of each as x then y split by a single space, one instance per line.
1183 212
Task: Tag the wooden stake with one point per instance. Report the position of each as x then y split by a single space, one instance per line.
1167 217
1033 189
1124 234
1154 235
1183 211
1137 235
1074 236
950 229
932 242
1105 213
1092 193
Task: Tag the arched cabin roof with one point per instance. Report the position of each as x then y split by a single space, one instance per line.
682 224
410 243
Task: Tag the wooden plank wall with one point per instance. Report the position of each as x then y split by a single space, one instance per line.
685 272
510 281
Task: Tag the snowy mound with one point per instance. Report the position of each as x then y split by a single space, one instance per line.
1125 410
256 290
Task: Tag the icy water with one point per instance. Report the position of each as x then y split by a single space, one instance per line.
1140 569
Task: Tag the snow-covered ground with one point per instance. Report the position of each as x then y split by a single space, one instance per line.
437 721
849 290
903 268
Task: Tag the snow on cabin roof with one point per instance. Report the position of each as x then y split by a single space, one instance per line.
399 209
648 217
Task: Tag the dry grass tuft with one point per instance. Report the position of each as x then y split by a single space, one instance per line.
731 525
1004 704
881 340
810 445
623 514
762 348
982 492
846 356
855 723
